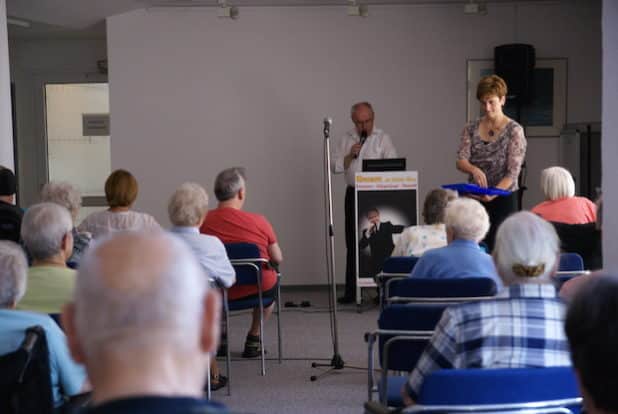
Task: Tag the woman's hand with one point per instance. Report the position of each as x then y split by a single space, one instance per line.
479 177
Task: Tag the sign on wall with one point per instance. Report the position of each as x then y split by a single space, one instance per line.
95 125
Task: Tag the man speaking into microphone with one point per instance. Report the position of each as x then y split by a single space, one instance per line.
361 143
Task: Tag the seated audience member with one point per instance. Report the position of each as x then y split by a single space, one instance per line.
416 240
231 224
47 233
466 223
10 214
187 209
68 197
67 378
144 323
521 328
560 203
120 191
592 330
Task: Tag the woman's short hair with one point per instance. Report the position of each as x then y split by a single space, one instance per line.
63 193
526 249
229 182
13 273
121 189
556 183
492 85
43 227
435 203
188 205
466 219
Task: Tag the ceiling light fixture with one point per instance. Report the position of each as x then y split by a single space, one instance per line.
474 7
358 10
227 11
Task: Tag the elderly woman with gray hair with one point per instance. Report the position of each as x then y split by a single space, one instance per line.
69 197
66 377
466 222
416 240
522 328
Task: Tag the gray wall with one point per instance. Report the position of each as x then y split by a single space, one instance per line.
610 134
206 93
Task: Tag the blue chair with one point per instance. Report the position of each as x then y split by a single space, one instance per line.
570 262
528 390
246 260
396 267
402 334
448 291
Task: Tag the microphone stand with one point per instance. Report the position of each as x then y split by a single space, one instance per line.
336 362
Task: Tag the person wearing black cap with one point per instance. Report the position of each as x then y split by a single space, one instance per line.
10 214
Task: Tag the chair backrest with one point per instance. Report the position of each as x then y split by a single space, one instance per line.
10 225
399 264
583 239
247 263
25 381
402 354
570 262
498 386
439 290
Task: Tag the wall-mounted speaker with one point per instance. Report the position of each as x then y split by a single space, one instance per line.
515 64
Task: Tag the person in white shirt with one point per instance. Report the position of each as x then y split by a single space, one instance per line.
121 192
361 143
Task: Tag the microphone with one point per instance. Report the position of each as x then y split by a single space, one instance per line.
327 124
363 137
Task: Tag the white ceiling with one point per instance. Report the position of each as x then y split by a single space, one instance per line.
85 18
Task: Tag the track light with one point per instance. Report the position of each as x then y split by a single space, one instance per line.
226 11
359 10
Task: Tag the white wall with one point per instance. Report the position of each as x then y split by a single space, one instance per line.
206 93
610 134
6 121
33 64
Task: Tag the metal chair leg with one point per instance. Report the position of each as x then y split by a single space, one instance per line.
279 322
228 355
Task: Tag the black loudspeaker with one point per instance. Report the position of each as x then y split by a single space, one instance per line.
515 64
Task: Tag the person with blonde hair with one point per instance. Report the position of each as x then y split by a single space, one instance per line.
466 224
561 205
121 192
491 151
523 327
69 197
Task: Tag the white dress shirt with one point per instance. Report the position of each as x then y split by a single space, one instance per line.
101 223
210 252
377 146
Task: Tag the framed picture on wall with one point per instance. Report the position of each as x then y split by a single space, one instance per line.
545 115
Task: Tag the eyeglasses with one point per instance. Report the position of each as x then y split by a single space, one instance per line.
363 122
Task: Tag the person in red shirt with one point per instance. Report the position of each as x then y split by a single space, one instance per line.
561 205
231 224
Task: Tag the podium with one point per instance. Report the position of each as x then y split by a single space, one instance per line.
385 204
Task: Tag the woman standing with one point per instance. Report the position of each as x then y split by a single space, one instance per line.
491 151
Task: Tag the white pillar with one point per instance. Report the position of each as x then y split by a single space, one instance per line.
6 124
610 134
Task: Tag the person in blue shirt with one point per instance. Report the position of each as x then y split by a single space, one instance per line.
466 223
67 377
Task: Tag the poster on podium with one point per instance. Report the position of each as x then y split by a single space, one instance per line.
386 203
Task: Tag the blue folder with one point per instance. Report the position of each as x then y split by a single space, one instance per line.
467 188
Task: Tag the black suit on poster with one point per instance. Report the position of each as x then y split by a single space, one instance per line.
380 242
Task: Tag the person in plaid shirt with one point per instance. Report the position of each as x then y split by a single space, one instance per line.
523 327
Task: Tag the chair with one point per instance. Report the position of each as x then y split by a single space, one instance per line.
447 291
496 390
402 334
396 267
583 239
25 382
246 260
570 262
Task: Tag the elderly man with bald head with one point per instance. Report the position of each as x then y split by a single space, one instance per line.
144 323
363 142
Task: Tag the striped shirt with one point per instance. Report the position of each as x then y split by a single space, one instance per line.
522 328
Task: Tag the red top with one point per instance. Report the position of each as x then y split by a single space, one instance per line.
231 225
569 210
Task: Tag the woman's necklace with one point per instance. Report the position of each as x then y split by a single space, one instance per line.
495 126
